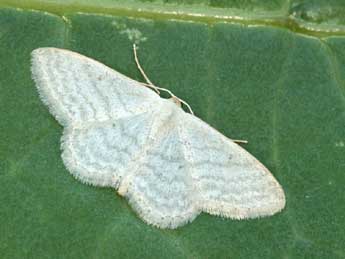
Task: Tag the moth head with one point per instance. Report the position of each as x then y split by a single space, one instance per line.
176 101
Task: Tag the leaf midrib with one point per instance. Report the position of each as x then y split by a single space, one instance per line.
196 13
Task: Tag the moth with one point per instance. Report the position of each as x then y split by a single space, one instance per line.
169 164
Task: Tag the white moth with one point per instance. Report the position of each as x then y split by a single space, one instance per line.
169 164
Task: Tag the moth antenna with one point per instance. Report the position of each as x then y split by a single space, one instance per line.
151 85
172 95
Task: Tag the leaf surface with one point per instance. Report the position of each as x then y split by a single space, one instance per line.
276 79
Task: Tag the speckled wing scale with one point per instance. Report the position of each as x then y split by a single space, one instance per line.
94 104
169 164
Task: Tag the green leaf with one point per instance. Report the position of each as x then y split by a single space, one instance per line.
275 77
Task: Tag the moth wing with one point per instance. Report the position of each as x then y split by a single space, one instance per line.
78 89
160 190
102 153
229 181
